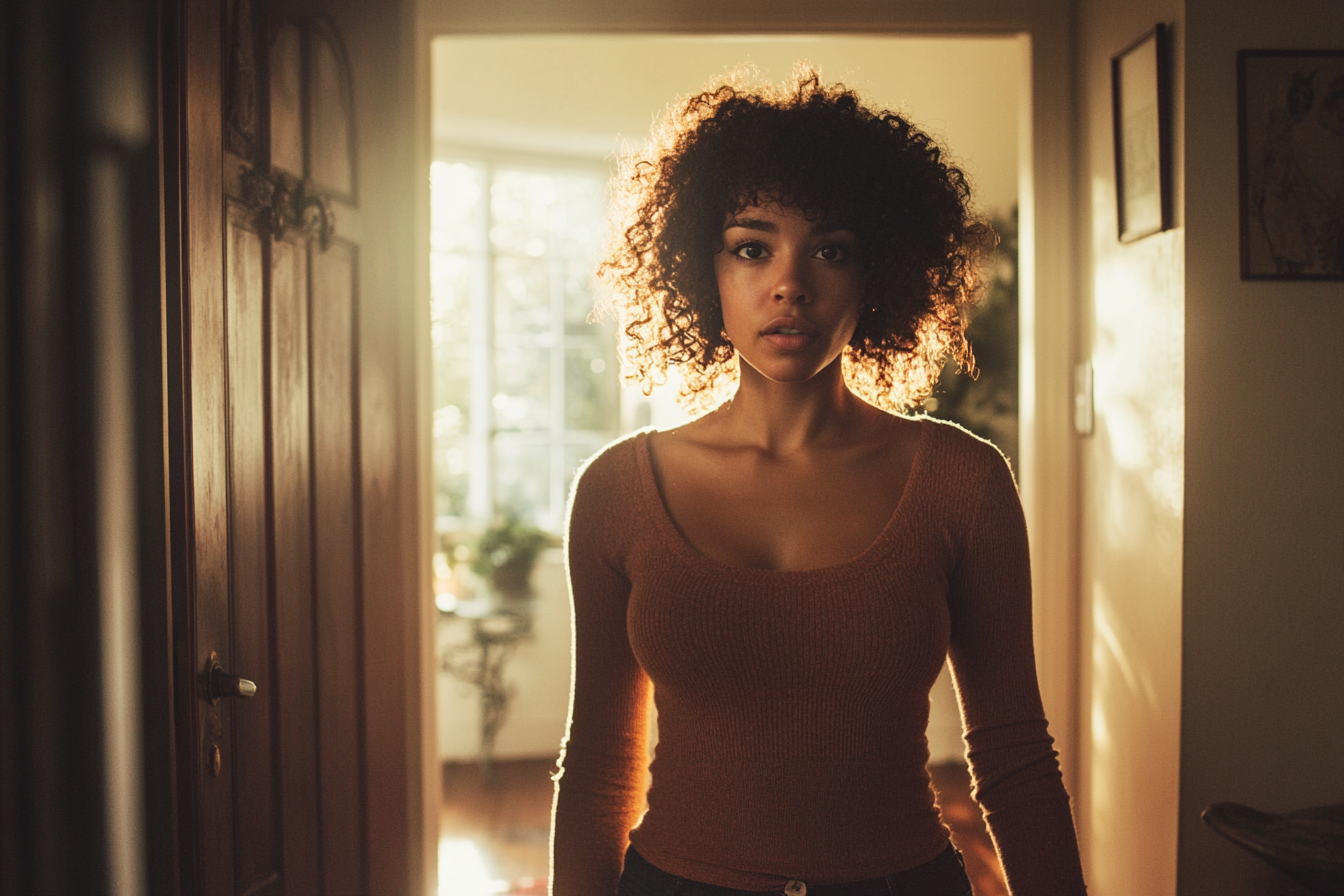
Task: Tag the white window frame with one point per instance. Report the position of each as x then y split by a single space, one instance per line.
483 434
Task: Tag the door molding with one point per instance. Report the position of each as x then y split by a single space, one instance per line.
1048 248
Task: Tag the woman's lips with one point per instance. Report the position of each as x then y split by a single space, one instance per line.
789 334
789 342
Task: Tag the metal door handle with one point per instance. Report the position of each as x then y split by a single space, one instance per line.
220 683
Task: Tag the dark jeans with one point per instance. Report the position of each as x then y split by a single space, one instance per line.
943 876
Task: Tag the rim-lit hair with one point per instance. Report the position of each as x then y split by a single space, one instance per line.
818 148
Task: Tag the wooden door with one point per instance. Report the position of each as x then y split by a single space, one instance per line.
274 789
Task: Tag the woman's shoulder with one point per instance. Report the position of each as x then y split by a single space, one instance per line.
613 474
969 484
610 499
953 438
960 455
617 457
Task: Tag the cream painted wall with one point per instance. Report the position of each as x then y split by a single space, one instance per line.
1132 326
1263 622
585 95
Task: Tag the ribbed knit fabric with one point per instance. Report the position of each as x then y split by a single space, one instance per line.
792 705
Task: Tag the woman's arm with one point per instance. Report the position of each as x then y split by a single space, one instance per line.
1016 775
601 787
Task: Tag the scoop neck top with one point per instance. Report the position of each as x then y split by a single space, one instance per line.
674 535
792 704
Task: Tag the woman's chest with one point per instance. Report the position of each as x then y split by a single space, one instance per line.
746 510
868 627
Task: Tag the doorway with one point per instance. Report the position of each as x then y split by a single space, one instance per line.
554 111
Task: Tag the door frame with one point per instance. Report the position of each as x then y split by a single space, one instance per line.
1048 248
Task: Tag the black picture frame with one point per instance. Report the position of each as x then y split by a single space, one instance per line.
1290 136
1141 120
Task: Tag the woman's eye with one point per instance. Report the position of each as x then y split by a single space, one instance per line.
750 250
831 253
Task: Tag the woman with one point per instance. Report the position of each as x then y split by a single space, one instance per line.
785 575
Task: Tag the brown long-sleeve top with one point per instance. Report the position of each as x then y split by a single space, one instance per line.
792 705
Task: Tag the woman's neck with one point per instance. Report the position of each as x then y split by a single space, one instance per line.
782 418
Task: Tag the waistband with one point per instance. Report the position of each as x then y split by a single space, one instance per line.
944 875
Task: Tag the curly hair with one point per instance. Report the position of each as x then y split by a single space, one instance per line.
817 148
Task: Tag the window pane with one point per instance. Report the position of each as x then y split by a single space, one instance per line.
579 284
590 387
520 212
579 219
522 299
452 389
455 190
522 388
554 399
522 477
450 474
450 291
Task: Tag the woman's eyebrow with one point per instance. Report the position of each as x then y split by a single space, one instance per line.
752 224
771 227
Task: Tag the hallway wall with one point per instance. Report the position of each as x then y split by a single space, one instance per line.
1212 545
1263 615
1131 327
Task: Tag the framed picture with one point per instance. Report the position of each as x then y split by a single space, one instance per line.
1141 112
1290 118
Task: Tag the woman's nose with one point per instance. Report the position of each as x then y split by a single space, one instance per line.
791 284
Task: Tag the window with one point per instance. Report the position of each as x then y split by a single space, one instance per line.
525 389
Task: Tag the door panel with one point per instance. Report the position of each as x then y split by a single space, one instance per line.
276 798
331 161
340 707
293 515
286 77
253 753
203 619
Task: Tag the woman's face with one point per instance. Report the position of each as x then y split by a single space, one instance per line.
791 290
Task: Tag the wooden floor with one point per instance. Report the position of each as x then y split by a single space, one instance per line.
961 814
507 823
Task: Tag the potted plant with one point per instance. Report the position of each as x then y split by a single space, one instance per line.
506 554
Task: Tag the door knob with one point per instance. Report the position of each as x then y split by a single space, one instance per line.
220 683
